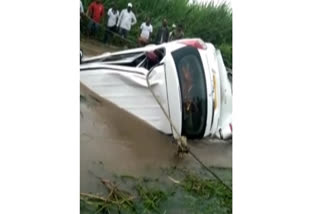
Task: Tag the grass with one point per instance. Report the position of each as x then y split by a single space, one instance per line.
206 21
151 198
208 189
192 194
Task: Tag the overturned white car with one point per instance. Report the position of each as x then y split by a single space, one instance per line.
188 78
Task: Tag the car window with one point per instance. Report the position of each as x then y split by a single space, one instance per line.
152 58
193 91
121 56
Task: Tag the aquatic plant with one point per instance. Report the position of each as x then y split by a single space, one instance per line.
188 192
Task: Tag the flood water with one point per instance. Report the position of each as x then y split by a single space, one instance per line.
114 142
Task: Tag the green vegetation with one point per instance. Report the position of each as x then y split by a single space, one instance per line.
206 189
151 197
208 22
190 194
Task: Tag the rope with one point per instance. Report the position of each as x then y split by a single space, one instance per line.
182 142
119 36
209 170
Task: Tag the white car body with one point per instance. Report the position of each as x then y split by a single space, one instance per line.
121 78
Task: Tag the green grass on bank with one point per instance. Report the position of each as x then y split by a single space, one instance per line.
208 22
177 191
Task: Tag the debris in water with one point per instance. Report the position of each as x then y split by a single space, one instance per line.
174 180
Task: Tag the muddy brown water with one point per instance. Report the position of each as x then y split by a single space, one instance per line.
113 141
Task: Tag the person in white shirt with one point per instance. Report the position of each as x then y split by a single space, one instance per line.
81 7
126 20
146 30
112 16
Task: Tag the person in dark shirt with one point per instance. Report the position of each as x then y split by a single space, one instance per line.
177 33
163 33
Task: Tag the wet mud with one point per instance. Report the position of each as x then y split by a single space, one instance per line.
92 47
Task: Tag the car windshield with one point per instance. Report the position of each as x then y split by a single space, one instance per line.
193 91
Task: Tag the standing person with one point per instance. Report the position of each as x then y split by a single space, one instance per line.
163 33
171 34
146 30
178 33
113 15
95 12
126 20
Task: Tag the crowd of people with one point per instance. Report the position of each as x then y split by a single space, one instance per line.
121 24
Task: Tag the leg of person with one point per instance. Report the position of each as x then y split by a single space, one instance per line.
146 41
143 41
96 27
140 42
81 24
106 35
90 25
121 32
125 33
112 31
